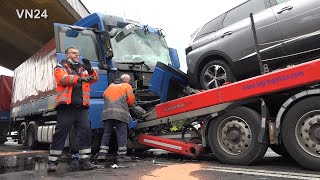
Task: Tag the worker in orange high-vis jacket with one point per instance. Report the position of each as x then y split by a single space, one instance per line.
72 103
118 97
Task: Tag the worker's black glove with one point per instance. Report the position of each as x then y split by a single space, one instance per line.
87 65
87 79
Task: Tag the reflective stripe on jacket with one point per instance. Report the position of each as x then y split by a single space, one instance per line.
117 98
65 82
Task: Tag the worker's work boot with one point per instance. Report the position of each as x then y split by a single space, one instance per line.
73 164
123 158
52 167
101 156
110 160
85 165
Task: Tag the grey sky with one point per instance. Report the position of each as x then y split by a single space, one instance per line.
5 71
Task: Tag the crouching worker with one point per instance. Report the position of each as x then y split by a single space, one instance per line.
73 97
117 99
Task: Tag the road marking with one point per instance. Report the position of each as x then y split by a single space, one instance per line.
280 174
289 175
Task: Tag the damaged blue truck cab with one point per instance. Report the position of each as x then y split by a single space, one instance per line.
113 45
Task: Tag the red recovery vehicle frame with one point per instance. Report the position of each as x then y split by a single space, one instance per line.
214 101
239 121
300 75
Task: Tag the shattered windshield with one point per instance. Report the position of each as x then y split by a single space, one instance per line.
140 46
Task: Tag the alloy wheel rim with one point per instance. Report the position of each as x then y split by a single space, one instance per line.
215 76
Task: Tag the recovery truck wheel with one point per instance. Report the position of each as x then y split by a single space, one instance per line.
233 137
301 132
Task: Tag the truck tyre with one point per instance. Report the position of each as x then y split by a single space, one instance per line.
22 135
3 139
233 137
301 132
280 149
215 74
32 143
3 133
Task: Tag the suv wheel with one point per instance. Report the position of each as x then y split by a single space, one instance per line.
215 73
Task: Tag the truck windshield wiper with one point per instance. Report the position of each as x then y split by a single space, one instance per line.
135 64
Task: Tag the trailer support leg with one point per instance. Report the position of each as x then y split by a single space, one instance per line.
179 147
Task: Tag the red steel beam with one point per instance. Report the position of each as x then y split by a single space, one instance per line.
179 147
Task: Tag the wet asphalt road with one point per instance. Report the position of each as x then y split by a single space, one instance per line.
19 163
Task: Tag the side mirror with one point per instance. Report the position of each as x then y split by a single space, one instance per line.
108 53
174 58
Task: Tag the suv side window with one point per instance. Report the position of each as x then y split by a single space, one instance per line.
243 11
281 1
259 5
275 2
237 14
211 26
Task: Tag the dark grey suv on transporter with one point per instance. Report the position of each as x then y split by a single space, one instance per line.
223 50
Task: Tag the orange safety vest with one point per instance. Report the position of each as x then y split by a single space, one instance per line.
117 98
65 81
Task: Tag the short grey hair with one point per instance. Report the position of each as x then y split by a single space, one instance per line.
125 77
68 49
